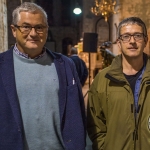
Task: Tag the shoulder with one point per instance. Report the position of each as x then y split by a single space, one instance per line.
7 54
100 80
59 56
83 62
74 58
103 72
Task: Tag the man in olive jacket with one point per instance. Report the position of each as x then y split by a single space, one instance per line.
118 113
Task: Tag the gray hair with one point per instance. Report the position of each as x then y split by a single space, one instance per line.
74 51
132 20
28 7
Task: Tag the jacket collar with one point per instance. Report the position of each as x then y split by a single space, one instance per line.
54 55
115 72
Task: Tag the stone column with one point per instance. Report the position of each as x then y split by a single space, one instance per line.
3 26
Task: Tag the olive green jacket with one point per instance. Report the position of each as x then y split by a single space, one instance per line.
111 121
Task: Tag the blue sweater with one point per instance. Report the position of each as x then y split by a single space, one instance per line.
71 105
37 90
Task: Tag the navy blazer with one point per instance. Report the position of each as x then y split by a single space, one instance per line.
71 105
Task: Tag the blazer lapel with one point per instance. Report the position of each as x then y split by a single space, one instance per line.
7 74
60 67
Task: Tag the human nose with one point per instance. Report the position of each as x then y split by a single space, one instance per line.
33 31
132 39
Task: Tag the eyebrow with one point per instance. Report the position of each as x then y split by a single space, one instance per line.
131 33
25 23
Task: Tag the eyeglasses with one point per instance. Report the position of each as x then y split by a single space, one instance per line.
27 29
136 36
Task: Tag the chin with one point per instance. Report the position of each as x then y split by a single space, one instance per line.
33 46
134 55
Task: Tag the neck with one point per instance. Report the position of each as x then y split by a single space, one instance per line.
32 53
132 66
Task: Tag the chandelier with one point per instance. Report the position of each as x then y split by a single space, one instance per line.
104 8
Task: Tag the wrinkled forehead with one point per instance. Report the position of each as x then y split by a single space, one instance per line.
130 23
30 12
34 13
130 27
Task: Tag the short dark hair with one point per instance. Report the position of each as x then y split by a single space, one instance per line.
132 20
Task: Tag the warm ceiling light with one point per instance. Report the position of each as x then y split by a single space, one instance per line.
104 8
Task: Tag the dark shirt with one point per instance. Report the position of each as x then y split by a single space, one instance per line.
81 68
132 79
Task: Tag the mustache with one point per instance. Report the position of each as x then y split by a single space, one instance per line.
132 47
33 39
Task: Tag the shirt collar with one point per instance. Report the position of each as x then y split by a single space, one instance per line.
74 55
16 50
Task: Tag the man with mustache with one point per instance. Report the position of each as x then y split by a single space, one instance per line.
41 102
118 113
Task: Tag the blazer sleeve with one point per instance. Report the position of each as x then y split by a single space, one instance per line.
96 121
73 68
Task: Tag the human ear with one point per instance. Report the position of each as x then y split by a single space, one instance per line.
119 43
146 40
13 29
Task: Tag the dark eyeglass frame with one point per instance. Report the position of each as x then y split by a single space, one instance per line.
30 28
134 36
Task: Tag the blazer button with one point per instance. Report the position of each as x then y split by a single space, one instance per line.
68 141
